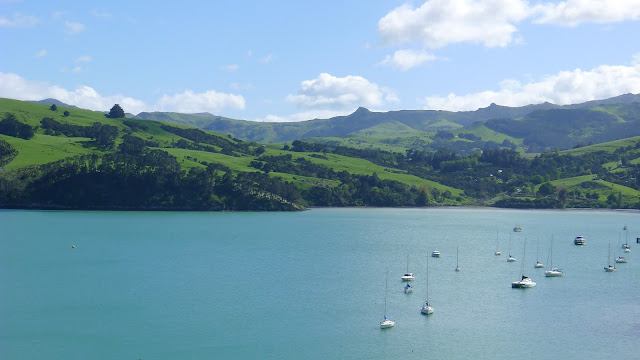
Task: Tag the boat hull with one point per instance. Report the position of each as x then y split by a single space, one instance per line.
387 324
553 273
427 310
610 269
522 284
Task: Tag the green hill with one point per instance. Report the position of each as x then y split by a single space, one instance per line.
71 158
80 159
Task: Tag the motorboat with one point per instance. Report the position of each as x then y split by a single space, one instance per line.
525 282
621 259
517 228
580 240
408 289
435 253
408 277
511 258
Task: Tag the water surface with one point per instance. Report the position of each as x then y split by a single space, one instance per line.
164 285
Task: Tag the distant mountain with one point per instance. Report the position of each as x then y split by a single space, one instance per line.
50 101
362 120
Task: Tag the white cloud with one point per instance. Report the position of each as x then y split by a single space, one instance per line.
15 87
77 69
635 60
440 22
232 67
267 59
101 14
328 92
575 12
84 59
190 102
493 23
74 27
42 53
407 59
566 87
249 53
305 115
19 20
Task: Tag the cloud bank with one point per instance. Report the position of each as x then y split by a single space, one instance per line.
492 23
566 87
406 59
328 92
15 87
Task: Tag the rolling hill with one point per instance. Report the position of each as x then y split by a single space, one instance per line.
86 160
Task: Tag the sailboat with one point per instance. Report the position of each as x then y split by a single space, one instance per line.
626 246
510 258
497 244
538 263
408 276
386 323
621 259
457 266
525 281
552 272
610 268
427 309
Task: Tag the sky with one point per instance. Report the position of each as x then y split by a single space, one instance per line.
279 60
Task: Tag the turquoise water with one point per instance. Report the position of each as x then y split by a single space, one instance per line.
312 285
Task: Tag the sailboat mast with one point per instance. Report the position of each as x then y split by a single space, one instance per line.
523 254
386 286
427 278
551 255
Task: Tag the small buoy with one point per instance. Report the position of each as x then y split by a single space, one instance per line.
73 246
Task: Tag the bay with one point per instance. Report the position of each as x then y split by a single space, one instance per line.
176 285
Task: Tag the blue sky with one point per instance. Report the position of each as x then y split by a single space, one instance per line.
297 60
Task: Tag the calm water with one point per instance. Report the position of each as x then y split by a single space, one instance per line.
312 285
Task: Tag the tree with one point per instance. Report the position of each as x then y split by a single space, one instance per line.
66 113
546 189
53 107
116 112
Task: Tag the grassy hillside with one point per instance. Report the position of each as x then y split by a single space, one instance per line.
85 160
191 150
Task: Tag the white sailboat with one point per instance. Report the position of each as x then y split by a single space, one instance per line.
497 245
457 266
552 272
427 309
408 276
610 268
510 258
386 323
525 281
626 246
621 259
538 263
